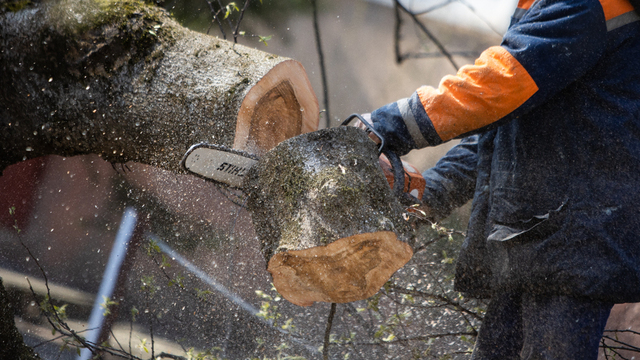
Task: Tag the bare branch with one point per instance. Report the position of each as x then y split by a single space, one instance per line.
216 19
431 37
327 332
235 32
323 70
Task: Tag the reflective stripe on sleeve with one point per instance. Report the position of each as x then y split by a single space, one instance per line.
411 124
621 20
519 13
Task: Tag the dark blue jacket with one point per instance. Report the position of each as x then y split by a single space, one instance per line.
550 122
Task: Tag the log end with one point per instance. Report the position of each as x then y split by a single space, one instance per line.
280 106
349 269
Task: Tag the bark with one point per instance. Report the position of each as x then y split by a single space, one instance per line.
329 225
121 79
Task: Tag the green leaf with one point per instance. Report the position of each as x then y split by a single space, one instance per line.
264 39
389 338
229 9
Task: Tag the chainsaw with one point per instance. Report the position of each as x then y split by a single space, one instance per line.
228 167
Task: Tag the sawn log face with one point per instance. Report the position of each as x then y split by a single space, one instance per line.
311 193
349 269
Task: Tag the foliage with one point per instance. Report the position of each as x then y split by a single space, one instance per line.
194 14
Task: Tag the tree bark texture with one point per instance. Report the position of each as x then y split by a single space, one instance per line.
330 227
120 78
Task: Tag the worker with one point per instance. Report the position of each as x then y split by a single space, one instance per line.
550 155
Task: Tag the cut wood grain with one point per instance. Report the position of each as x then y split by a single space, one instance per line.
330 228
281 105
348 269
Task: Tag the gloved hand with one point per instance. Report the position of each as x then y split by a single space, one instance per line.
404 124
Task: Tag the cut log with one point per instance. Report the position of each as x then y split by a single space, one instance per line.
348 269
120 78
281 105
330 228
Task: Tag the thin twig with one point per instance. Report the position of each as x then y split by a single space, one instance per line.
216 19
623 331
624 345
420 338
116 340
152 342
48 341
228 18
130 332
229 195
473 10
433 8
235 32
442 298
323 71
55 313
327 332
171 356
615 352
429 35
399 56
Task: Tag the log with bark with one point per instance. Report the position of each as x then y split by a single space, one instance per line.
329 225
120 78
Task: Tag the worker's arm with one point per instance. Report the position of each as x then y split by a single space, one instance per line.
451 182
554 43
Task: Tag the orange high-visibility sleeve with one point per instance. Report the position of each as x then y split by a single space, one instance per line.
478 95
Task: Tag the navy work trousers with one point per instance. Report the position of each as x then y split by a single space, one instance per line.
521 326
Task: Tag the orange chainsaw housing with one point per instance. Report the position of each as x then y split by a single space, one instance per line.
414 183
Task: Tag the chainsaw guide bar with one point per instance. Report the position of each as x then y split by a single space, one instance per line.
218 163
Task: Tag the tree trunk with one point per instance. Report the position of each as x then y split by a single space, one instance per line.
121 79
330 227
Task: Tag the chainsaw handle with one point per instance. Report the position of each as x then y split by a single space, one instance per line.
396 164
369 128
398 172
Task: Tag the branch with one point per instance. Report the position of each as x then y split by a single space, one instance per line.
170 356
444 299
216 19
623 331
416 338
323 70
327 332
624 346
463 2
235 32
429 35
